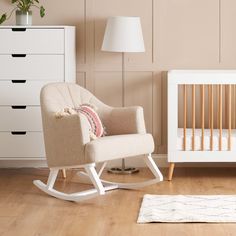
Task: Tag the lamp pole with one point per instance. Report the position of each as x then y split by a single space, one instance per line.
123 169
123 79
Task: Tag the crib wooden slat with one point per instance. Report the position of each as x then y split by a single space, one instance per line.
234 107
209 106
185 114
226 105
218 106
229 130
193 117
212 116
220 117
202 108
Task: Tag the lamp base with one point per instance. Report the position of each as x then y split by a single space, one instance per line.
128 170
123 170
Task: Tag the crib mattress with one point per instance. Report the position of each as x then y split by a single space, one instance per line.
198 138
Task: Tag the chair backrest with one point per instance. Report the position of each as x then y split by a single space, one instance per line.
56 96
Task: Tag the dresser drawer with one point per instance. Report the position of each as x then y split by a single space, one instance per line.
19 118
27 93
32 41
26 145
32 67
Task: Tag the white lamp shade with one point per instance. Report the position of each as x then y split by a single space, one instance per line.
123 34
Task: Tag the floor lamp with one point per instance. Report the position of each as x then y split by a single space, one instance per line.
123 34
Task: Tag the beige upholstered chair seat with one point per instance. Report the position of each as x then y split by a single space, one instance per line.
117 146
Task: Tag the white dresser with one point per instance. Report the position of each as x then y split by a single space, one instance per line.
30 58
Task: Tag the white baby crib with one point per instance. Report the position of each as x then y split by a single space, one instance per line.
201 116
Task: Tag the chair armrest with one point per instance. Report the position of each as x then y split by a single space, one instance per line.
73 125
65 139
126 120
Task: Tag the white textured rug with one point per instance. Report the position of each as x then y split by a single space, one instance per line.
187 208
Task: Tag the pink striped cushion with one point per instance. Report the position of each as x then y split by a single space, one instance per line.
95 122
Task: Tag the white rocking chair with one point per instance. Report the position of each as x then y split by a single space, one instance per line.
68 144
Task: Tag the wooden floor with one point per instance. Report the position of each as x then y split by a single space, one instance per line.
26 211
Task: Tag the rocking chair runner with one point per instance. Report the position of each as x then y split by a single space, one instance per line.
68 144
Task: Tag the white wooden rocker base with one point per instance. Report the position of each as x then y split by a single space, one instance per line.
92 176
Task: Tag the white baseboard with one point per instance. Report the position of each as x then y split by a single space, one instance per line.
22 164
135 162
160 159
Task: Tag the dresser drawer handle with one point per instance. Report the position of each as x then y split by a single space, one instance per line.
18 107
18 132
18 55
18 81
18 29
